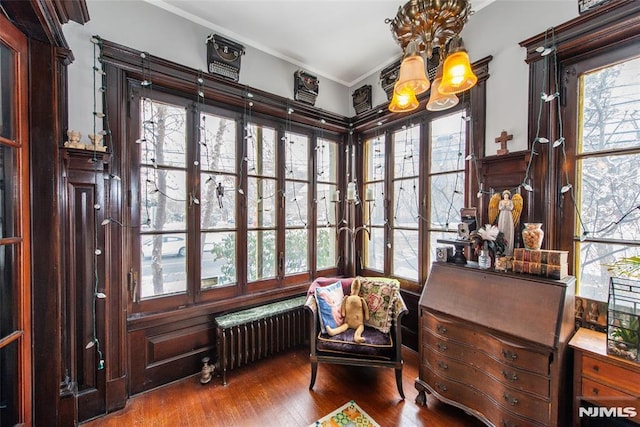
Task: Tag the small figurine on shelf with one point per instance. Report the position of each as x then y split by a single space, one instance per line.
96 143
507 212
74 140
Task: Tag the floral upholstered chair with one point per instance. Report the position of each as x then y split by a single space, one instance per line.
383 340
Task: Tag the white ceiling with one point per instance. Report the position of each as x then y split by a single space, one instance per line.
341 40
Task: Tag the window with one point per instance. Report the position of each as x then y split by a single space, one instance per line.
326 187
15 293
225 209
422 203
406 205
607 174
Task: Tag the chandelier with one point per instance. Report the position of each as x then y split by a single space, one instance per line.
424 28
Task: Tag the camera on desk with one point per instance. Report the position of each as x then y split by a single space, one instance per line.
444 253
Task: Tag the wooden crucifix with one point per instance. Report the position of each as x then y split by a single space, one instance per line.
502 140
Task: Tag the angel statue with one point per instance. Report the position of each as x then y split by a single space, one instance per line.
507 211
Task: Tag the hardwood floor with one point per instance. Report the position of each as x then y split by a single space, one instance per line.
275 392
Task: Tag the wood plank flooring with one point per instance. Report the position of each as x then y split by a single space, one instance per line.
275 392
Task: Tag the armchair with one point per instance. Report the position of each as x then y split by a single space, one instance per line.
380 349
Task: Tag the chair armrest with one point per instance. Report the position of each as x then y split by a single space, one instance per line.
400 309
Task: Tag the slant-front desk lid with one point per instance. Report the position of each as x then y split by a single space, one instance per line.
518 304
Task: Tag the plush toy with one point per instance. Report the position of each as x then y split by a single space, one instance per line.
354 311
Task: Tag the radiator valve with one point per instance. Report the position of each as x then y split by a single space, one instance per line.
207 371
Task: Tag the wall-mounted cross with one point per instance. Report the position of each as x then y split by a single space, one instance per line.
502 140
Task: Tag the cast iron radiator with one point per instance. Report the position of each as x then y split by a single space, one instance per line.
249 335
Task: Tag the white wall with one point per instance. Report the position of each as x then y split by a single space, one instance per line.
142 26
497 30
494 30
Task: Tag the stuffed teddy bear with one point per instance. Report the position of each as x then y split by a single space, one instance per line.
354 311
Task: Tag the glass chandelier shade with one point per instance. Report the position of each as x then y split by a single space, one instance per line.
439 101
412 75
457 75
423 26
403 101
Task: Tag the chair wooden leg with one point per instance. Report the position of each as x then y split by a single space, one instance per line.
399 382
314 371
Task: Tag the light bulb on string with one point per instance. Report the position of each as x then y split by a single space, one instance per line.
542 140
558 142
101 295
566 188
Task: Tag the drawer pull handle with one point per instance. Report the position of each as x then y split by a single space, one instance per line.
508 354
441 329
507 423
442 365
442 346
510 399
511 376
596 368
595 391
441 387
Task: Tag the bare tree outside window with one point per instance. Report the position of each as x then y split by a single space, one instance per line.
608 155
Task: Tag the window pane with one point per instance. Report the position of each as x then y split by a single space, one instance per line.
164 264
446 200
9 304
164 134
296 203
296 251
9 384
327 164
7 88
163 204
593 275
609 190
610 102
8 189
326 208
261 202
375 159
406 152
261 150
326 252
374 250
217 211
405 254
377 206
261 255
448 135
217 143
296 157
405 208
218 262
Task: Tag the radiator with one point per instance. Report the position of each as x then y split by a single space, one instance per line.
250 335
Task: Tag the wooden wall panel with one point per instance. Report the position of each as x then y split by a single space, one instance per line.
162 352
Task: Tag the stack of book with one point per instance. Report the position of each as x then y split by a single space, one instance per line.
541 262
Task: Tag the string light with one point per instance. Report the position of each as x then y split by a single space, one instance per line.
97 115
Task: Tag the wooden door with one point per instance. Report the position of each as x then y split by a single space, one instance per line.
15 294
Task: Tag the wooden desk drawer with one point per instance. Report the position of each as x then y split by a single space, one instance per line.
616 376
483 406
602 395
495 347
512 377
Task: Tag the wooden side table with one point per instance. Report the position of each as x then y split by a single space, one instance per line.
610 383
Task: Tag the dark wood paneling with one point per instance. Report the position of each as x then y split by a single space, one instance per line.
166 352
410 320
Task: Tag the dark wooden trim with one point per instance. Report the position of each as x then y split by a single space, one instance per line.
601 28
223 91
609 31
